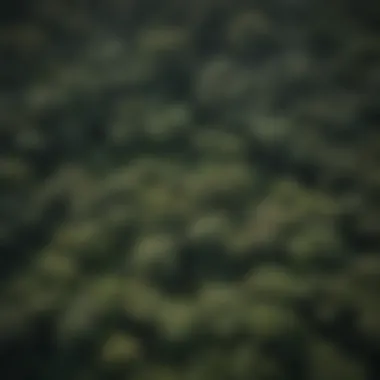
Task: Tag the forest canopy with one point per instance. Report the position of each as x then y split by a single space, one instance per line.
190 190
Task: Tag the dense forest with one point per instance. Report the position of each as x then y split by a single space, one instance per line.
189 190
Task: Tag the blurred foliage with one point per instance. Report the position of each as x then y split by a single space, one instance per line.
177 177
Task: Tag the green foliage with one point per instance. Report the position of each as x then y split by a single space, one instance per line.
178 177
275 283
120 350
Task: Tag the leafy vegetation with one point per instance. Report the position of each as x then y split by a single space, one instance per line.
189 190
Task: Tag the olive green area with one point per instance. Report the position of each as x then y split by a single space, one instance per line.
188 188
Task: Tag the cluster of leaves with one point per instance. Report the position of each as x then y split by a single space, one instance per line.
177 177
